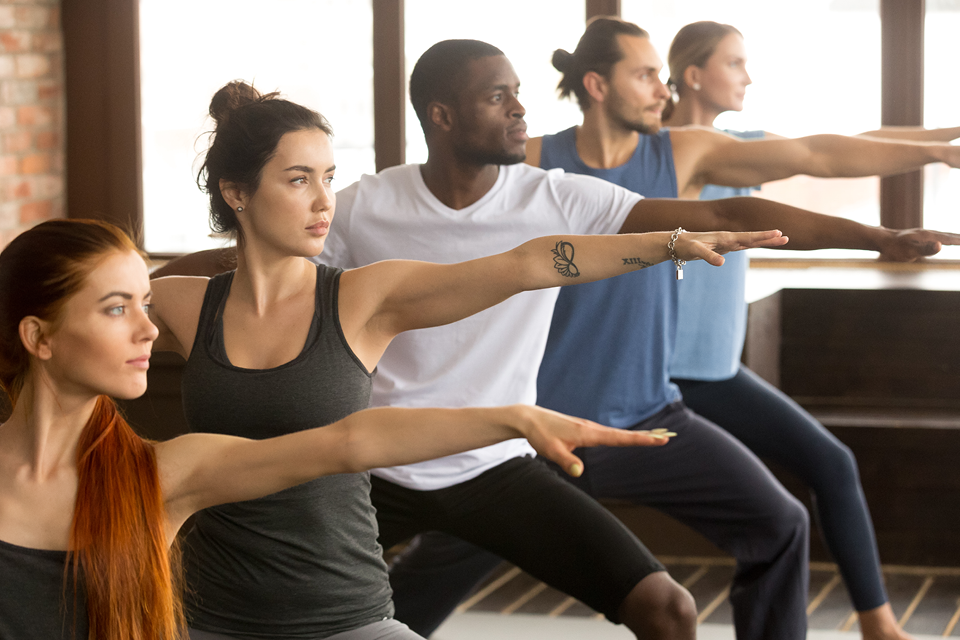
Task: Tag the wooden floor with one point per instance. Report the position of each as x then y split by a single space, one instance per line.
925 599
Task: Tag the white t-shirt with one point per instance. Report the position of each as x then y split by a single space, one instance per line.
490 358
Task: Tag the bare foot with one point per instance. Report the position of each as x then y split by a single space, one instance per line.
881 624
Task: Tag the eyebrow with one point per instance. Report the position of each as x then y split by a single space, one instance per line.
306 169
124 295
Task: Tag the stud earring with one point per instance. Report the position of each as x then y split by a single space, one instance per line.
239 208
696 86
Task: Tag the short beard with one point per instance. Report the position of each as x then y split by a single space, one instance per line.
636 125
482 156
639 126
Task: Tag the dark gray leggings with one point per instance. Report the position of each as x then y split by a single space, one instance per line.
388 629
778 429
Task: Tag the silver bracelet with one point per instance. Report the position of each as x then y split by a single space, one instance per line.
673 253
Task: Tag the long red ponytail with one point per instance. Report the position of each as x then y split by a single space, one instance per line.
118 541
118 549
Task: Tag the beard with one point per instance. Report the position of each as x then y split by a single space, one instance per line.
474 155
615 111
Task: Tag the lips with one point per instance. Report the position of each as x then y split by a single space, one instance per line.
319 229
518 131
143 362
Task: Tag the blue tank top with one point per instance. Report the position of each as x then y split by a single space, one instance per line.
712 320
611 341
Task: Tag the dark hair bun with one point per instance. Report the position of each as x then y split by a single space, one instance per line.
231 97
562 60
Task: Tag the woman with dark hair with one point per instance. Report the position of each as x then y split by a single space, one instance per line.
708 72
282 343
89 511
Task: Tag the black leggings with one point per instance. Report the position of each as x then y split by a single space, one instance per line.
523 512
776 428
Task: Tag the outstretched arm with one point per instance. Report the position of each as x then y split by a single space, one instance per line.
383 299
919 134
202 470
806 230
709 157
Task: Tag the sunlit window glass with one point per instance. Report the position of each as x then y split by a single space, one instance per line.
815 67
527 32
316 52
941 94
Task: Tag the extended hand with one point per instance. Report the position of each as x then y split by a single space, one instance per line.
709 246
554 435
909 245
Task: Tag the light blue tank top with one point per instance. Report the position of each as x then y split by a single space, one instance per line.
611 341
712 320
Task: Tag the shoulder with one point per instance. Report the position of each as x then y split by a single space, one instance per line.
178 297
533 151
747 135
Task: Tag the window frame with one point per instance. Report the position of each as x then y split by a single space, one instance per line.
102 64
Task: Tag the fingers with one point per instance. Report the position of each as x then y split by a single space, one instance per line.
947 238
609 437
753 239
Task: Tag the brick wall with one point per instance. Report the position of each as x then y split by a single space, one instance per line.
31 115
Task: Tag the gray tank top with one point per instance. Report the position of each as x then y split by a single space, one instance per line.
33 602
304 562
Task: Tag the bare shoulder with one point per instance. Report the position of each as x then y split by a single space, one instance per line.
533 151
176 303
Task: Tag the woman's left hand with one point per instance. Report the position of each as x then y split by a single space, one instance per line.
710 245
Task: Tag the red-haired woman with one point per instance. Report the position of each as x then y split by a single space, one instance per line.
88 510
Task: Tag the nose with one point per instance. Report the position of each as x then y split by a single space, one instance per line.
663 91
147 331
517 110
747 76
325 198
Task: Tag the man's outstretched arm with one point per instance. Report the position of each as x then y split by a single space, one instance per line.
806 230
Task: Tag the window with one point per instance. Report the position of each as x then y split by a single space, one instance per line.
316 52
527 32
815 67
941 188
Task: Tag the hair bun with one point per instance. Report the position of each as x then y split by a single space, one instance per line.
562 60
231 97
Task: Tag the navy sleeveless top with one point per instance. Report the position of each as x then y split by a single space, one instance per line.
303 562
611 341
33 602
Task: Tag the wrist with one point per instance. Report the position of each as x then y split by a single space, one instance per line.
672 251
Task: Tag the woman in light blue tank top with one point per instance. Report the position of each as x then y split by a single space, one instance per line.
708 72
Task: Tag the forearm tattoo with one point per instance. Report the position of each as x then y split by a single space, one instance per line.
643 263
563 260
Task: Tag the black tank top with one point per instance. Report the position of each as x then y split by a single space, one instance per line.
33 602
304 562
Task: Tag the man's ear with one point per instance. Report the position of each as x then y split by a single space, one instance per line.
440 116
233 194
35 336
596 86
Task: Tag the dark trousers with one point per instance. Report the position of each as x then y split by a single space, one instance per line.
705 478
777 429
523 512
